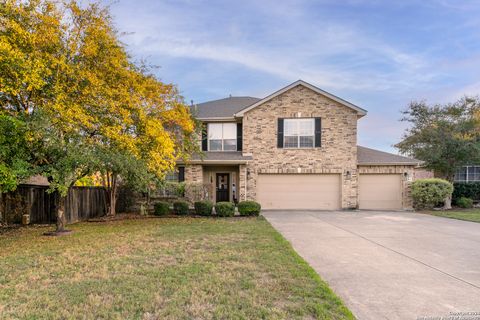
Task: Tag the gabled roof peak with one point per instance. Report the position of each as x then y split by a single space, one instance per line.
360 111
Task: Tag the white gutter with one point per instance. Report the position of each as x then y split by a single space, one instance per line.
215 162
214 119
389 163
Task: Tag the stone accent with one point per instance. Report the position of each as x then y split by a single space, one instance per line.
194 173
406 180
242 182
338 153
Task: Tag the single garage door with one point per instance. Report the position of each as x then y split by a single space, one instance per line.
380 191
299 191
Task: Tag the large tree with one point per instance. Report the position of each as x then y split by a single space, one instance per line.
445 137
65 70
14 154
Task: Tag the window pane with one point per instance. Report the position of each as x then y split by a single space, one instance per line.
461 174
290 142
230 144
215 145
476 175
290 127
471 170
306 127
172 176
229 131
306 141
214 131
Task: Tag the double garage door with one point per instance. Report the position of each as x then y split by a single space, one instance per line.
323 191
299 191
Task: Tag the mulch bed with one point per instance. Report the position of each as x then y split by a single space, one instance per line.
121 216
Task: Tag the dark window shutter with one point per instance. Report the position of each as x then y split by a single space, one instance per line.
181 174
318 132
280 133
239 136
204 137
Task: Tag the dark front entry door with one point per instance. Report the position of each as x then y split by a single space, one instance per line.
223 184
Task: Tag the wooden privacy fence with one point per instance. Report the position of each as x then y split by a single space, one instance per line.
82 203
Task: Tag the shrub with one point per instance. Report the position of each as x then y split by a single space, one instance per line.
464 202
161 208
203 208
466 189
225 209
427 193
180 208
249 208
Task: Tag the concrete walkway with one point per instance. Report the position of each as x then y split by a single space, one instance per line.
390 265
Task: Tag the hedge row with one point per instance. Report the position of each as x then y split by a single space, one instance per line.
466 190
205 208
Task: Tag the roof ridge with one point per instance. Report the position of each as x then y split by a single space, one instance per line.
226 98
329 95
398 155
367 155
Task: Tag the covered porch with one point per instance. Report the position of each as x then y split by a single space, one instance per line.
222 181
222 174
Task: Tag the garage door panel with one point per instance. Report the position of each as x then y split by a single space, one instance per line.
299 191
380 191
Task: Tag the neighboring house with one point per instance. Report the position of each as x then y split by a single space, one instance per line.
36 180
295 149
469 173
423 173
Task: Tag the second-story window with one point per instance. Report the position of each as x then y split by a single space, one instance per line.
222 136
299 133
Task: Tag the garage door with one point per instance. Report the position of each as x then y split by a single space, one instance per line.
299 191
380 191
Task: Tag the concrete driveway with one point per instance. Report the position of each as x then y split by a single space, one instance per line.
390 265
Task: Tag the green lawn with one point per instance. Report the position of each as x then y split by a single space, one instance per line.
464 214
183 268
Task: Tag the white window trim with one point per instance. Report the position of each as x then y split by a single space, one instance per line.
298 136
223 140
467 175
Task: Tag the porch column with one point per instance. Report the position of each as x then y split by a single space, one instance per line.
242 182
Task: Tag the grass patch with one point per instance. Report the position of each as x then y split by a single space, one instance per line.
460 214
179 268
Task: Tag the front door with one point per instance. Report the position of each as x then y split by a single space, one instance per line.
223 184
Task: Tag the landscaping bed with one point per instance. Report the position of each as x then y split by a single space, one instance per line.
180 268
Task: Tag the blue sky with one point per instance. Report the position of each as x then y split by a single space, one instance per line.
377 54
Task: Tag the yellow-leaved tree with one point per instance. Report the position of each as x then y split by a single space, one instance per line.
88 106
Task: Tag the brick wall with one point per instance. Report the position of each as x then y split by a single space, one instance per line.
338 153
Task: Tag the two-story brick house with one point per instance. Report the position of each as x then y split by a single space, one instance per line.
295 149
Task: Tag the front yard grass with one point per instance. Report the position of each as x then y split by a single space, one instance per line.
460 214
170 268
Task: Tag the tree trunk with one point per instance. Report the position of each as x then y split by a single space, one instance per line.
112 193
60 211
447 204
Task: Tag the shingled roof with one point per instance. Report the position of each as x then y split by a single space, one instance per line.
367 156
222 108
